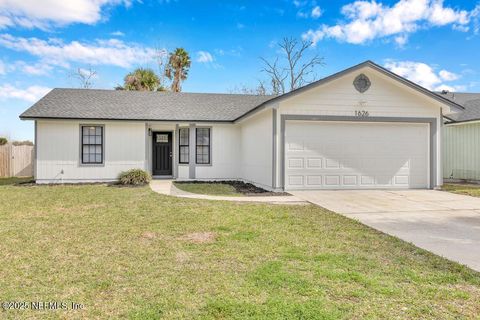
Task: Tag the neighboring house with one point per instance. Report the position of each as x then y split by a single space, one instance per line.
361 128
461 135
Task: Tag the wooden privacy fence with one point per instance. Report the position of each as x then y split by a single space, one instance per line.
16 161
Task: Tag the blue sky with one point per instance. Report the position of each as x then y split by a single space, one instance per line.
434 43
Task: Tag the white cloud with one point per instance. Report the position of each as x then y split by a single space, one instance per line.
3 68
204 57
36 69
302 14
401 40
235 52
43 14
448 76
417 72
439 15
298 3
475 16
308 9
30 94
455 88
316 12
368 20
240 26
55 52
424 75
117 34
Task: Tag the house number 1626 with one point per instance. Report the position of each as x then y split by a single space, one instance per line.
361 113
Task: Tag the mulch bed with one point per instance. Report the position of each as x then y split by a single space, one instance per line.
247 189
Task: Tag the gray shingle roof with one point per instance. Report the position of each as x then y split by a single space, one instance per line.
167 106
136 105
471 103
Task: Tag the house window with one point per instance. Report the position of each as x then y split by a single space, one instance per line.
203 146
92 144
184 145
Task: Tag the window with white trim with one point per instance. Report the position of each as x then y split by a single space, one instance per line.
92 144
184 144
203 146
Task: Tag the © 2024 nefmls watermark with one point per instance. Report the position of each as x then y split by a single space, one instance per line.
41 305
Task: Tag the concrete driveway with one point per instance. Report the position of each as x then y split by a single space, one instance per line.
444 223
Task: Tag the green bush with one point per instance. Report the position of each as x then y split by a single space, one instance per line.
134 177
3 141
22 143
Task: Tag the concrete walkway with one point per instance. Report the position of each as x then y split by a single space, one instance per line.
444 223
166 187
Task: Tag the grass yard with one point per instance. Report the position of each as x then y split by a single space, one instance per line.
214 189
14 180
467 189
131 253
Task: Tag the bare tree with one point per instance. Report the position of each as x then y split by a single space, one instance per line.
161 56
259 90
297 69
276 74
84 77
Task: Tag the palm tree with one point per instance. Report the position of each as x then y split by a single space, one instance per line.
141 80
177 68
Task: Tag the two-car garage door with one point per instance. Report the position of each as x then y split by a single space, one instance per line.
356 155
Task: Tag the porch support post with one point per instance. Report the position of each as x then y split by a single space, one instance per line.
147 150
176 154
274 147
191 159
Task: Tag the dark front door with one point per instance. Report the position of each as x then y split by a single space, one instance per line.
162 154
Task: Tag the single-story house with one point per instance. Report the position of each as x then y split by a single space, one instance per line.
461 138
362 128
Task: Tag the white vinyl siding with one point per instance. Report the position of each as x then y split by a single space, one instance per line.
224 153
461 151
256 149
59 151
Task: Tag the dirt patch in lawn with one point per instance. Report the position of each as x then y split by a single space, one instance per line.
182 257
247 189
199 237
149 235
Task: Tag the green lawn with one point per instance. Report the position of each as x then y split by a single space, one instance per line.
467 189
216 189
131 253
14 180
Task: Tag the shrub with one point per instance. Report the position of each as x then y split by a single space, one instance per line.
3 141
134 177
22 143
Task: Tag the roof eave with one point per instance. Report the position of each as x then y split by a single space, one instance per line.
453 122
121 119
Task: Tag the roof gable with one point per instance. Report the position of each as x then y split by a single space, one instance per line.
355 68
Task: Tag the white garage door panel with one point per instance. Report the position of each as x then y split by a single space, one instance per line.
349 155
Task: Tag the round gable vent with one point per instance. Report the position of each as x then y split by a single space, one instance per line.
362 83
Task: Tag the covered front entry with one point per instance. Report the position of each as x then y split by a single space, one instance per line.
162 153
356 155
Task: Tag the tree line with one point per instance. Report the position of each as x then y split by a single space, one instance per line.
294 66
175 69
